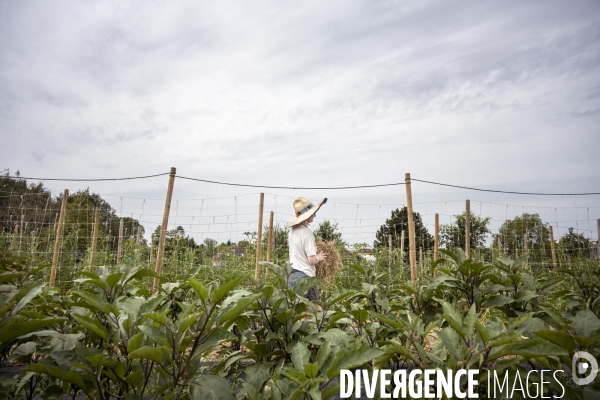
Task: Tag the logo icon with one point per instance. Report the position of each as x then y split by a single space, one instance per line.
584 364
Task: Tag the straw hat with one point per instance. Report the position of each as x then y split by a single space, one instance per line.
304 209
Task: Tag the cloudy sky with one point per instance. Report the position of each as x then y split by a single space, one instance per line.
494 94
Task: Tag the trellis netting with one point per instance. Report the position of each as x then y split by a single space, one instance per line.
215 224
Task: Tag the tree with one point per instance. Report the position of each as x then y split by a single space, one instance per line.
453 235
27 206
511 235
210 243
328 232
575 244
394 226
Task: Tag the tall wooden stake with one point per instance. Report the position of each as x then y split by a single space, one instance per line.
163 228
151 248
525 241
436 242
59 233
259 238
120 244
554 263
390 258
138 234
411 232
270 236
436 238
95 235
33 243
13 243
468 229
598 243
402 241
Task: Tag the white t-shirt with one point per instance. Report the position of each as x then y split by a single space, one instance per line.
302 245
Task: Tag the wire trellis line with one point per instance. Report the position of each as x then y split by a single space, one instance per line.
310 188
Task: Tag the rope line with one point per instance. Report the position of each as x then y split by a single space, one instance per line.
292 187
307 188
502 191
86 180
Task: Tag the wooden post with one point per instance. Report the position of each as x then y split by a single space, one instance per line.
525 241
163 228
270 236
552 246
138 234
59 233
259 238
120 244
402 241
95 235
468 229
598 243
390 258
151 247
32 242
421 256
436 238
411 231
13 244
436 242
22 230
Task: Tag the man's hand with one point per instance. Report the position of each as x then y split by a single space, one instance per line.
314 260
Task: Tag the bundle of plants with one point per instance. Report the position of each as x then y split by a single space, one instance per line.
327 268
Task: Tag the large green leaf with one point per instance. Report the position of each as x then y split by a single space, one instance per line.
350 357
505 338
585 323
560 338
452 342
91 325
220 292
498 301
300 355
199 288
514 322
534 348
525 295
27 298
155 354
210 387
451 311
335 336
73 377
95 301
16 326
469 321
241 306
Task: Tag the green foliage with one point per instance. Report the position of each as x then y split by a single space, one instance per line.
110 335
575 244
399 222
453 235
280 248
328 232
512 237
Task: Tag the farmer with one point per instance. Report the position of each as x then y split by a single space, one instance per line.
303 250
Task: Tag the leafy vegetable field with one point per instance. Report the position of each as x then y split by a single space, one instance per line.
214 335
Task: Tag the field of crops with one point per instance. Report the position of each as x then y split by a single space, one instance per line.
107 335
209 324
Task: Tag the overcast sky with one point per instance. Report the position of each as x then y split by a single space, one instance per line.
493 94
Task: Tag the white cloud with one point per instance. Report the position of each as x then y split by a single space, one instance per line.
339 93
